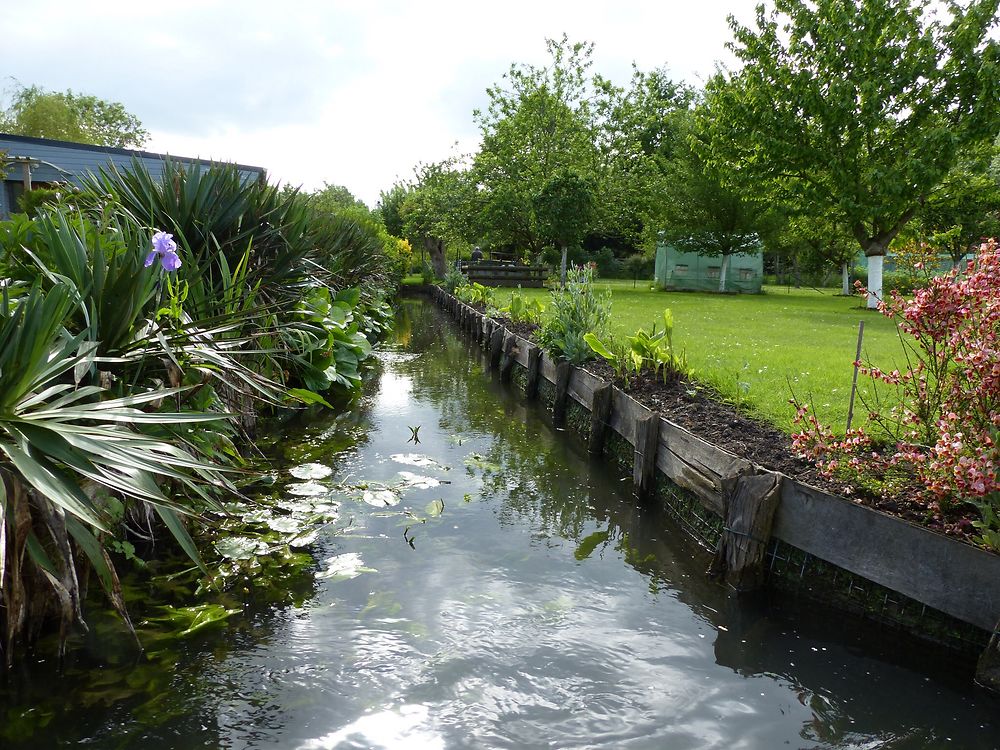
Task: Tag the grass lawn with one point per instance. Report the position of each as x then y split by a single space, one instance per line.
754 348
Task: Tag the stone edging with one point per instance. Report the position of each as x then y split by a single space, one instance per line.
936 571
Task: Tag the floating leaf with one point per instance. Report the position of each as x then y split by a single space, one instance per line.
344 567
310 471
380 498
285 524
419 482
413 459
304 540
435 508
240 548
307 489
257 515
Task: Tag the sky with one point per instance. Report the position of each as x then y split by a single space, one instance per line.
346 93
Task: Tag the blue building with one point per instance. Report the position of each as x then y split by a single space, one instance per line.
41 162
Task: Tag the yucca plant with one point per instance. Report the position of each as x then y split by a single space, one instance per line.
64 449
216 213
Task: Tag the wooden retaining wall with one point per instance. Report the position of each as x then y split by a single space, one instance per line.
936 571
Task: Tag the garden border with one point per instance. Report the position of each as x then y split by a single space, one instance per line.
935 571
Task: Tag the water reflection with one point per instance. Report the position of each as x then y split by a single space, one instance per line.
521 600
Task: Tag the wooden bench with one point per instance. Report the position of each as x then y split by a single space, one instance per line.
492 273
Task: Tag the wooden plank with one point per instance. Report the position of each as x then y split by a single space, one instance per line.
942 573
548 368
534 372
582 387
564 371
749 514
697 465
625 412
646 444
521 351
599 415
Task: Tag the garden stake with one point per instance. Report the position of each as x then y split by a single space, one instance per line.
854 382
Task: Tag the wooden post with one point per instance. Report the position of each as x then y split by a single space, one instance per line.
749 513
563 372
496 346
600 414
534 372
507 363
988 667
647 440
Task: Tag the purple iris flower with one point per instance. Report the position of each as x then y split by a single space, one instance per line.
165 247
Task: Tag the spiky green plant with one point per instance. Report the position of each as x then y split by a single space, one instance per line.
64 448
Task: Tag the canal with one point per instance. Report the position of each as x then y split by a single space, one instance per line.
485 585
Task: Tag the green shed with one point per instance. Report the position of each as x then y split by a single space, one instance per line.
677 270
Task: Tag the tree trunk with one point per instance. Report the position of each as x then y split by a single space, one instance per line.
875 279
722 273
562 267
435 248
845 278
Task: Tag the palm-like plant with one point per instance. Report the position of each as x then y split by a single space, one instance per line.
63 449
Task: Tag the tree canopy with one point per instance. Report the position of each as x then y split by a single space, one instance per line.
857 108
68 116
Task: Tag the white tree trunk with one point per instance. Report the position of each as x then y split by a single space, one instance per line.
562 272
722 273
874 280
845 278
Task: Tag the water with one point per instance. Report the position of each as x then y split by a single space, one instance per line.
524 602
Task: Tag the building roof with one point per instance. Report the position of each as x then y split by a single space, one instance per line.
138 154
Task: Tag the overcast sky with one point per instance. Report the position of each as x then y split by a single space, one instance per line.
352 93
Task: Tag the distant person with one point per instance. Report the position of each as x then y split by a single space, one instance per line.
477 254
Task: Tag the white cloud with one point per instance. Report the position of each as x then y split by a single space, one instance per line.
342 92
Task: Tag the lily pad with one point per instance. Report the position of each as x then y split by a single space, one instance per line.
380 498
344 567
419 482
285 524
307 489
413 459
310 471
240 548
303 540
435 508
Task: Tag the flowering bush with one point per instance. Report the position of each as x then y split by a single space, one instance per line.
944 429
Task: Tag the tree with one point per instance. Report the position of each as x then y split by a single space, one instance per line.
561 116
390 203
965 209
856 108
818 245
436 210
67 116
331 198
563 211
700 213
